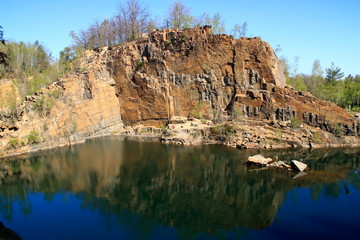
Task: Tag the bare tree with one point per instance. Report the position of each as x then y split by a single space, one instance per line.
179 16
135 18
81 39
216 22
239 31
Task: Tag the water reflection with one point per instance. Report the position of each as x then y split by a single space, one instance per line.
194 189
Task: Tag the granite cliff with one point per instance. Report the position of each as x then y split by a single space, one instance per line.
160 84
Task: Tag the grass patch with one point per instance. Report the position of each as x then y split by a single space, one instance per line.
295 122
316 138
223 130
13 143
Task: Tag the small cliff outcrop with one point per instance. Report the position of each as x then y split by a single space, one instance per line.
179 74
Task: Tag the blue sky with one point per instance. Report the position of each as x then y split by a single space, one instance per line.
328 30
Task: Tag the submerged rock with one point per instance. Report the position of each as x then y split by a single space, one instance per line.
299 175
259 160
298 166
279 164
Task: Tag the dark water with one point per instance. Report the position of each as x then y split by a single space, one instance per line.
116 189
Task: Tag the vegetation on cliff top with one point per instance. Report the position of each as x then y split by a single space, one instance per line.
329 85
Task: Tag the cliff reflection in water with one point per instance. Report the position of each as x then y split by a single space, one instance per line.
198 188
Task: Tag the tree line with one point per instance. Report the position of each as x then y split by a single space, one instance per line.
331 84
133 20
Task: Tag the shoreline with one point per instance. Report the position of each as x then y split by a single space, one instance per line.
160 138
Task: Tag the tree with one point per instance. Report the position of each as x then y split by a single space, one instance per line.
179 16
80 39
216 22
315 81
317 69
135 18
333 73
239 30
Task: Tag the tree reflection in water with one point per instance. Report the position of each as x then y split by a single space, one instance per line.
193 189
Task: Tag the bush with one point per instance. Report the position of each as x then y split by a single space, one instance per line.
338 131
33 138
201 110
43 106
295 122
13 143
236 114
224 130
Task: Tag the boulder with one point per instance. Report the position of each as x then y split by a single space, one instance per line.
298 166
279 164
259 160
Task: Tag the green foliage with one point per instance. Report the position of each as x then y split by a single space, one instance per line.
297 82
13 143
10 102
345 93
236 114
338 131
29 65
239 31
167 132
74 127
56 94
295 122
316 138
201 110
140 63
333 73
43 105
33 138
223 130
25 59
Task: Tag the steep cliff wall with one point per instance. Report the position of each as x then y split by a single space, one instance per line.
171 72
174 74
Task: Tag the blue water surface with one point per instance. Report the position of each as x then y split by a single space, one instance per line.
110 188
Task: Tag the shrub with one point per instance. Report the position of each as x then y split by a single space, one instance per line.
224 130
201 110
295 122
13 143
33 138
236 114
140 63
43 106
338 131
316 138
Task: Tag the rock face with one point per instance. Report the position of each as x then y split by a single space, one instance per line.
172 74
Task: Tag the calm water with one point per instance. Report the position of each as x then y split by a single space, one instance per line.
111 188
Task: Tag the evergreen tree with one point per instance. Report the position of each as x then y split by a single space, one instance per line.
333 73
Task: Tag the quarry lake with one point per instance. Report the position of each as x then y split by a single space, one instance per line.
111 188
